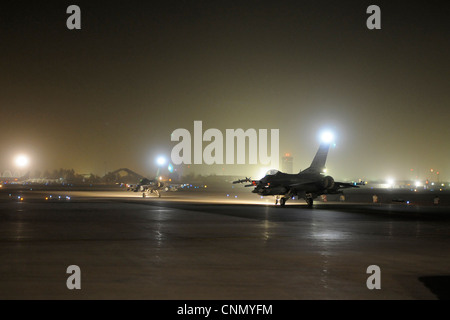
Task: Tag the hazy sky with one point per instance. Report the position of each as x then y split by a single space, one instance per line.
115 90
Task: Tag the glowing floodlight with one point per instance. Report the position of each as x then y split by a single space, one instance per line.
390 182
22 161
327 137
161 161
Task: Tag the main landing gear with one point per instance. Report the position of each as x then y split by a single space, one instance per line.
282 201
309 200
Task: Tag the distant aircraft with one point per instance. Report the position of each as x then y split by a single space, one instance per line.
147 187
307 184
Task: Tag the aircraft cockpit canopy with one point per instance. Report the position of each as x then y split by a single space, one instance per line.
272 172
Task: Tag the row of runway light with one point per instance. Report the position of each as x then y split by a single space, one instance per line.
50 197
47 198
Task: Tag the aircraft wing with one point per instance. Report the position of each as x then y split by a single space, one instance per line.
254 183
337 185
141 187
345 185
174 186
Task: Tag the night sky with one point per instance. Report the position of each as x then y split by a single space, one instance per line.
109 95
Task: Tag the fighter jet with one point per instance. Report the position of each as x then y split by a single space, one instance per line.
147 187
307 184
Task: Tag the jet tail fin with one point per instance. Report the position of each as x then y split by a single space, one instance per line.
318 163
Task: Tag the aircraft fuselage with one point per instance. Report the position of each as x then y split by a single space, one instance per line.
279 184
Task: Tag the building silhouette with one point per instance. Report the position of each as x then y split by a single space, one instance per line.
287 163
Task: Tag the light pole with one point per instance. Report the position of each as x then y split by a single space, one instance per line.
160 161
21 161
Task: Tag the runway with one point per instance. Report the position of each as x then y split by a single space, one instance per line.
219 247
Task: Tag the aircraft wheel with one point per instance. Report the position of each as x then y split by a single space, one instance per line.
143 195
309 202
283 202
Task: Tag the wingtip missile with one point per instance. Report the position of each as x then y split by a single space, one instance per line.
243 180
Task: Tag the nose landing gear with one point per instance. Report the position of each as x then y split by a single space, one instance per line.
309 200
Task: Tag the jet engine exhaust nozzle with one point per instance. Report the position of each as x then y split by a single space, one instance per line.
328 182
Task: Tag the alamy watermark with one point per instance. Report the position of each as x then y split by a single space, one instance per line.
74 20
374 280
74 280
218 151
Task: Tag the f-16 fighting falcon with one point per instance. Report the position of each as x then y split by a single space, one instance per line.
307 184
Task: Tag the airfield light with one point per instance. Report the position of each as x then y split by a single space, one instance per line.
161 161
327 137
390 182
21 161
